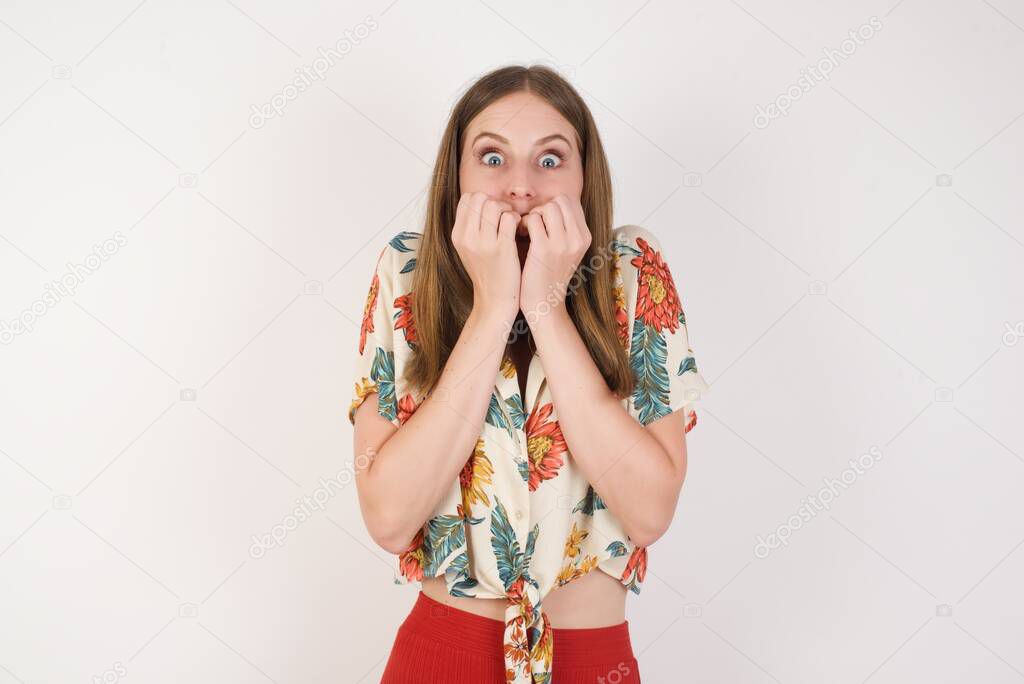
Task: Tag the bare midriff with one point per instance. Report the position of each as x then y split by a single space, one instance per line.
595 600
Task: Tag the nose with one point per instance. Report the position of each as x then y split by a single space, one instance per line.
521 196
520 186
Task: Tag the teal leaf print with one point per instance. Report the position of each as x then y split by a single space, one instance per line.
648 356
505 546
590 503
524 469
460 568
616 548
459 565
531 541
514 404
621 248
461 587
443 536
495 416
382 372
410 266
687 364
398 242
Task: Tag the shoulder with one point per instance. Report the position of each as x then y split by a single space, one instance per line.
634 236
637 244
398 255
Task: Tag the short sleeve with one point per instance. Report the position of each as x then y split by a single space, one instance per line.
664 364
375 351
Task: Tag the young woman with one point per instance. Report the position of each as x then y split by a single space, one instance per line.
522 394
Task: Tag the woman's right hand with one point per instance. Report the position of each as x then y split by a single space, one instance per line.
484 237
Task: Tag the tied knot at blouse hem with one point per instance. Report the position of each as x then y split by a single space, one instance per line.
521 519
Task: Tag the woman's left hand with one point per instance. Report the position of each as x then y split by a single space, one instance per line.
559 237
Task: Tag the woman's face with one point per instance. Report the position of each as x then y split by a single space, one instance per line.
521 150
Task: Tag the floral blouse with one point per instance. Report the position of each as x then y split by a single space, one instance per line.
521 519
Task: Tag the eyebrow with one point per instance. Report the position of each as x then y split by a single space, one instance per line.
541 141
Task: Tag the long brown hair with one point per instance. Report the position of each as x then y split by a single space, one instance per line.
443 291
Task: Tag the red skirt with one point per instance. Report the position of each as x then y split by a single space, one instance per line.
439 643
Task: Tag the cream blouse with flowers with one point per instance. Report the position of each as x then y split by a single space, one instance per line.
521 519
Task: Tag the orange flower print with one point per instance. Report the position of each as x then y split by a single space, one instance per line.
410 561
517 652
544 444
691 421
515 591
657 302
368 309
406 407
474 475
403 317
637 564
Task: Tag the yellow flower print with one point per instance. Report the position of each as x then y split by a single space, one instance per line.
474 475
507 368
572 543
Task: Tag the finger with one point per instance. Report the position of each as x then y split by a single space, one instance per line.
491 213
459 229
476 205
575 224
535 227
554 224
577 208
507 226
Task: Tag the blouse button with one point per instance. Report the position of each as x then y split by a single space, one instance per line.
519 514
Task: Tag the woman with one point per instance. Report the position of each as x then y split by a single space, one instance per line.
522 395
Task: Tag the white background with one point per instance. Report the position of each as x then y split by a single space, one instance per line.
840 296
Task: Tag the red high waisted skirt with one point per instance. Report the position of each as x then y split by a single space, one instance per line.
439 643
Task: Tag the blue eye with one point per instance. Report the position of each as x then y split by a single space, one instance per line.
484 157
556 156
487 159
